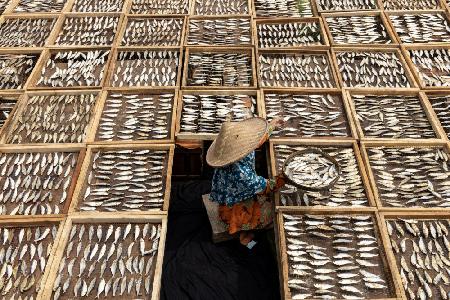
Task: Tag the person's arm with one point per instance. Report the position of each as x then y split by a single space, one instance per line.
273 185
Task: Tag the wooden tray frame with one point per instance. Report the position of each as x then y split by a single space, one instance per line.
408 73
246 50
371 13
206 136
77 195
323 33
192 10
428 103
332 67
422 99
323 142
220 17
398 144
388 267
337 92
107 218
23 103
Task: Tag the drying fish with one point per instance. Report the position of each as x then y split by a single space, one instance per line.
6 106
146 68
126 180
307 115
159 7
22 32
3 5
219 32
432 65
15 69
153 32
98 5
53 119
136 117
219 69
422 28
411 176
411 5
315 251
371 69
295 70
292 34
346 5
441 106
42 6
348 190
392 116
221 7
283 8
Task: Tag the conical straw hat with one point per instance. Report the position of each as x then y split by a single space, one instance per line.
235 141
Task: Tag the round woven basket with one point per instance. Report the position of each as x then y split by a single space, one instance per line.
308 151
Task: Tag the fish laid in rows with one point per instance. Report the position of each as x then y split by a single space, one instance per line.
283 8
98 5
422 28
220 69
221 7
347 5
348 190
4 4
98 31
220 32
295 70
105 261
441 106
153 32
125 180
15 70
74 68
7 104
335 257
432 65
307 115
411 176
35 183
146 68
421 248
159 7
53 119
24 32
371 69
392 116
411 5
136 117
359 29
24 255
292 34
205 113
40 6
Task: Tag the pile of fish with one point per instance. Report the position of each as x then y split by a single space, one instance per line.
335 257
371 69
98 6
25 32
125 180
3 5
358 29
136 117
411 176
441 106
108 261
392 116
159 7
206 113
15 69
283 8
146 68
53 119
432 65
220 32
311 170
74 68
422 250
411 5
348 190
25 252
292 34
295 70
88 31
346 5
220 69
35 183
41 6
422 28
221 7
307 115
6 106
153 32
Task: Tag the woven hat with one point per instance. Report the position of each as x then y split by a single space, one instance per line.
235 141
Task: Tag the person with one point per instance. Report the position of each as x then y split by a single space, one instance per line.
239 191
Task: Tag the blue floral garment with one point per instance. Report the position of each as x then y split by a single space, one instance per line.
237 182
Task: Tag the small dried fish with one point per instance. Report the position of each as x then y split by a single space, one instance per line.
219 32
346 5
441 106
6 106
411 5
153 32
24 32
98 5
221 7
432 65
422 27
292 34
42 6
15 69
159 7
283 8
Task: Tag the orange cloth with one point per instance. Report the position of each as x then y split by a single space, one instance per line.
241 216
